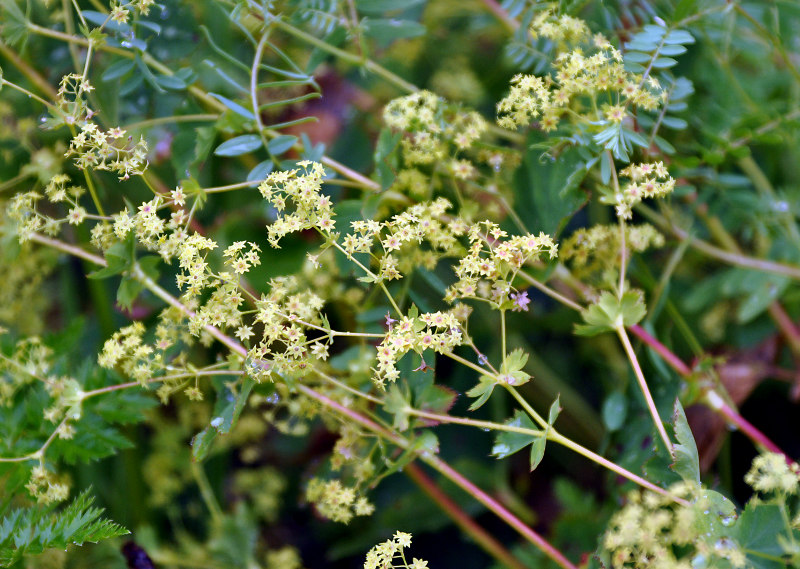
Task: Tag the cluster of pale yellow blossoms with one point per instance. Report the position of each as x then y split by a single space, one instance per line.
647 180
95 149
437 331
22 209
336 501
389 554
771 473
296 196
120 12
492 263
594 252
653 532
404 233
547 99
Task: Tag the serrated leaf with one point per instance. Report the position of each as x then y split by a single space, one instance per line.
227 409
537 452
396 405
129 289
758 530
118 259
507 443
483 390
609 312
555 410
239 145
687 459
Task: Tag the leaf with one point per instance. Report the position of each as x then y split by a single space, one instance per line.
33 530
614 411
261 171
117 70
171 82
387 30
235 107
396 405
483 390
547 191
507 443
118 259
687 459
227 409
127 292
280 144
381 6
759 530
678 37
239 145
610 312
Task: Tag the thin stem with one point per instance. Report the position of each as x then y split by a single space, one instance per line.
33 96
716 402
472 422
526 406
206 492
669 357
651 405
463 520
736 259
454 476
549 291
170 120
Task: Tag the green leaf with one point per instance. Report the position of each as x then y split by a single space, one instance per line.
537 452
117 70
555 410
239 145
507 443
381 6
674 123
261 171
547 191
396 404
678 37
13 24
33 530
387 30
235 107
281 144
759 531
687 459
483 390
171 82
227 409
127 292
614 411
119 259
610 312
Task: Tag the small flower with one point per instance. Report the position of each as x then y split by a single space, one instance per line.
521 301
390 322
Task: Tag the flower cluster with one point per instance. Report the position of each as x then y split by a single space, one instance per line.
71 99
652 531
404 233
46 487
286 315
300 190
98 150
390 554
127 349
336 501
647 180
577 74
492 263
437 331
593 252
120 12
23 211
771 473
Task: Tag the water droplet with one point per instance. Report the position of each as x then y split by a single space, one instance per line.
125 43
164 13
727 520
501 450
699 561
781 206
485 430
706 512
216 422
724 545
274 399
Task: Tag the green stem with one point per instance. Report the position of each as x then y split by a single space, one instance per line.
206 492
651 405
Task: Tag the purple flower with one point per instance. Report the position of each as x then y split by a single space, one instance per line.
390 322
521 301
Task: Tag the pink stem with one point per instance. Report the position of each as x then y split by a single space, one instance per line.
674 361
714 400
456 477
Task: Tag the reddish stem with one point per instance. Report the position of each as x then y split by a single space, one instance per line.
713 399
674 361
